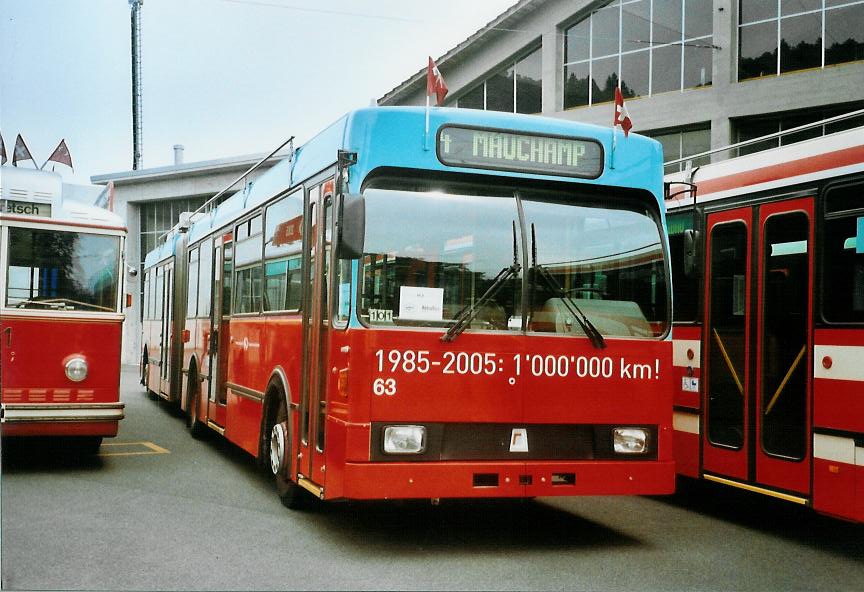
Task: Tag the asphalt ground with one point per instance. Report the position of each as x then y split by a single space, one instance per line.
158 510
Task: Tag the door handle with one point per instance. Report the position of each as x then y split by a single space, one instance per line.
8 332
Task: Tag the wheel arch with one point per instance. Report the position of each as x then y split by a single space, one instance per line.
277 387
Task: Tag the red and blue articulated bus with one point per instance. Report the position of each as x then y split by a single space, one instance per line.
61 312
475 304
768 267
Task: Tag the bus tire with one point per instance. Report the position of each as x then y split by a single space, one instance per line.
278 454
196 426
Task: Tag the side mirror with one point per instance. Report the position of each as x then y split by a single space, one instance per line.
351 227
691 252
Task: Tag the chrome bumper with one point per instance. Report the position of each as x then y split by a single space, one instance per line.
72 412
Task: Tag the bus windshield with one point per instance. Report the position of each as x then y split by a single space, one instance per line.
433 254
61 270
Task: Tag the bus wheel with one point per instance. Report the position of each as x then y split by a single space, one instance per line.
196 426
279 455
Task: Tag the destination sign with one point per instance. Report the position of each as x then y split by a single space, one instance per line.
526 153
25 208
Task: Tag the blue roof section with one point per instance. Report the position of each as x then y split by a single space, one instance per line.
395 137
636 158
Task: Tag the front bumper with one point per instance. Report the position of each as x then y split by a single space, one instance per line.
505 479
29 419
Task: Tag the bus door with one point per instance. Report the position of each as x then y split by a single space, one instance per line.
313 401
166 336
758 303
220 338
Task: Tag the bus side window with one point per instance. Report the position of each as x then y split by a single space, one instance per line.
248 258
192 285
685 286
227 278
843 278
206 275
283 237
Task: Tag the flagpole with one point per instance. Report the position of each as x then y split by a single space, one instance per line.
614 145
426 132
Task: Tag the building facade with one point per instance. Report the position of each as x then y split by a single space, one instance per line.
695 74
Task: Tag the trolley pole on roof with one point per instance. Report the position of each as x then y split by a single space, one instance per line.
135 6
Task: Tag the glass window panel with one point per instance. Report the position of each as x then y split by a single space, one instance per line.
192 286
685 289
786 291
757 54
757 10
844 34
604 80
801 42
697 63
843 286
666 70
636 25
604 32
671 144
798 120
68 271
499 91
206 272
845 124
667 21
788 7
576 85
634 74
473 99
696 142
698 18
756 129
529 88
143 218
727 323
577 42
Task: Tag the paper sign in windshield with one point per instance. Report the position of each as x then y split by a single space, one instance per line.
421 304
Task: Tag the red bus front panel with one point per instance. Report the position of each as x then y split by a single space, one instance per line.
38 398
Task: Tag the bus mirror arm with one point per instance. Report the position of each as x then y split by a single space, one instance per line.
351 230
691 252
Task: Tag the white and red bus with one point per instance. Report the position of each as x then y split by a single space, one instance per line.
61 311
477 308
768 266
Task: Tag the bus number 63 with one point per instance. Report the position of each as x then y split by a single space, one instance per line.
384 386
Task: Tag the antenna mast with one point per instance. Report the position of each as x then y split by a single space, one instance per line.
137 94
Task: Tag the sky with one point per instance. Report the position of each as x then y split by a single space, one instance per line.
221 77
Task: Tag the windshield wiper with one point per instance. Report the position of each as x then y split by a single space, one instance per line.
585 323
469 311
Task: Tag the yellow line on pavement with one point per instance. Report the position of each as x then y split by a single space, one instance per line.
150 446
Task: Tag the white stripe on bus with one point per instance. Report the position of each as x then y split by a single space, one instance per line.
835 448
685 422
847 362
679 352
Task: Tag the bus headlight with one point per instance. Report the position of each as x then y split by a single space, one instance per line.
630 440
407 439
76 369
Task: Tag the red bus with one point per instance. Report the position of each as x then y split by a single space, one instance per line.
768 263
60 311
479 307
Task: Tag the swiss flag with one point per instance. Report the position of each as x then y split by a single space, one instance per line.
622 117
435 84
61 155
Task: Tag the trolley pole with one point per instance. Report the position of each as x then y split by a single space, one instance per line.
137 94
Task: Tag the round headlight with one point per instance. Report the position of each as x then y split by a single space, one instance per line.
76 369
